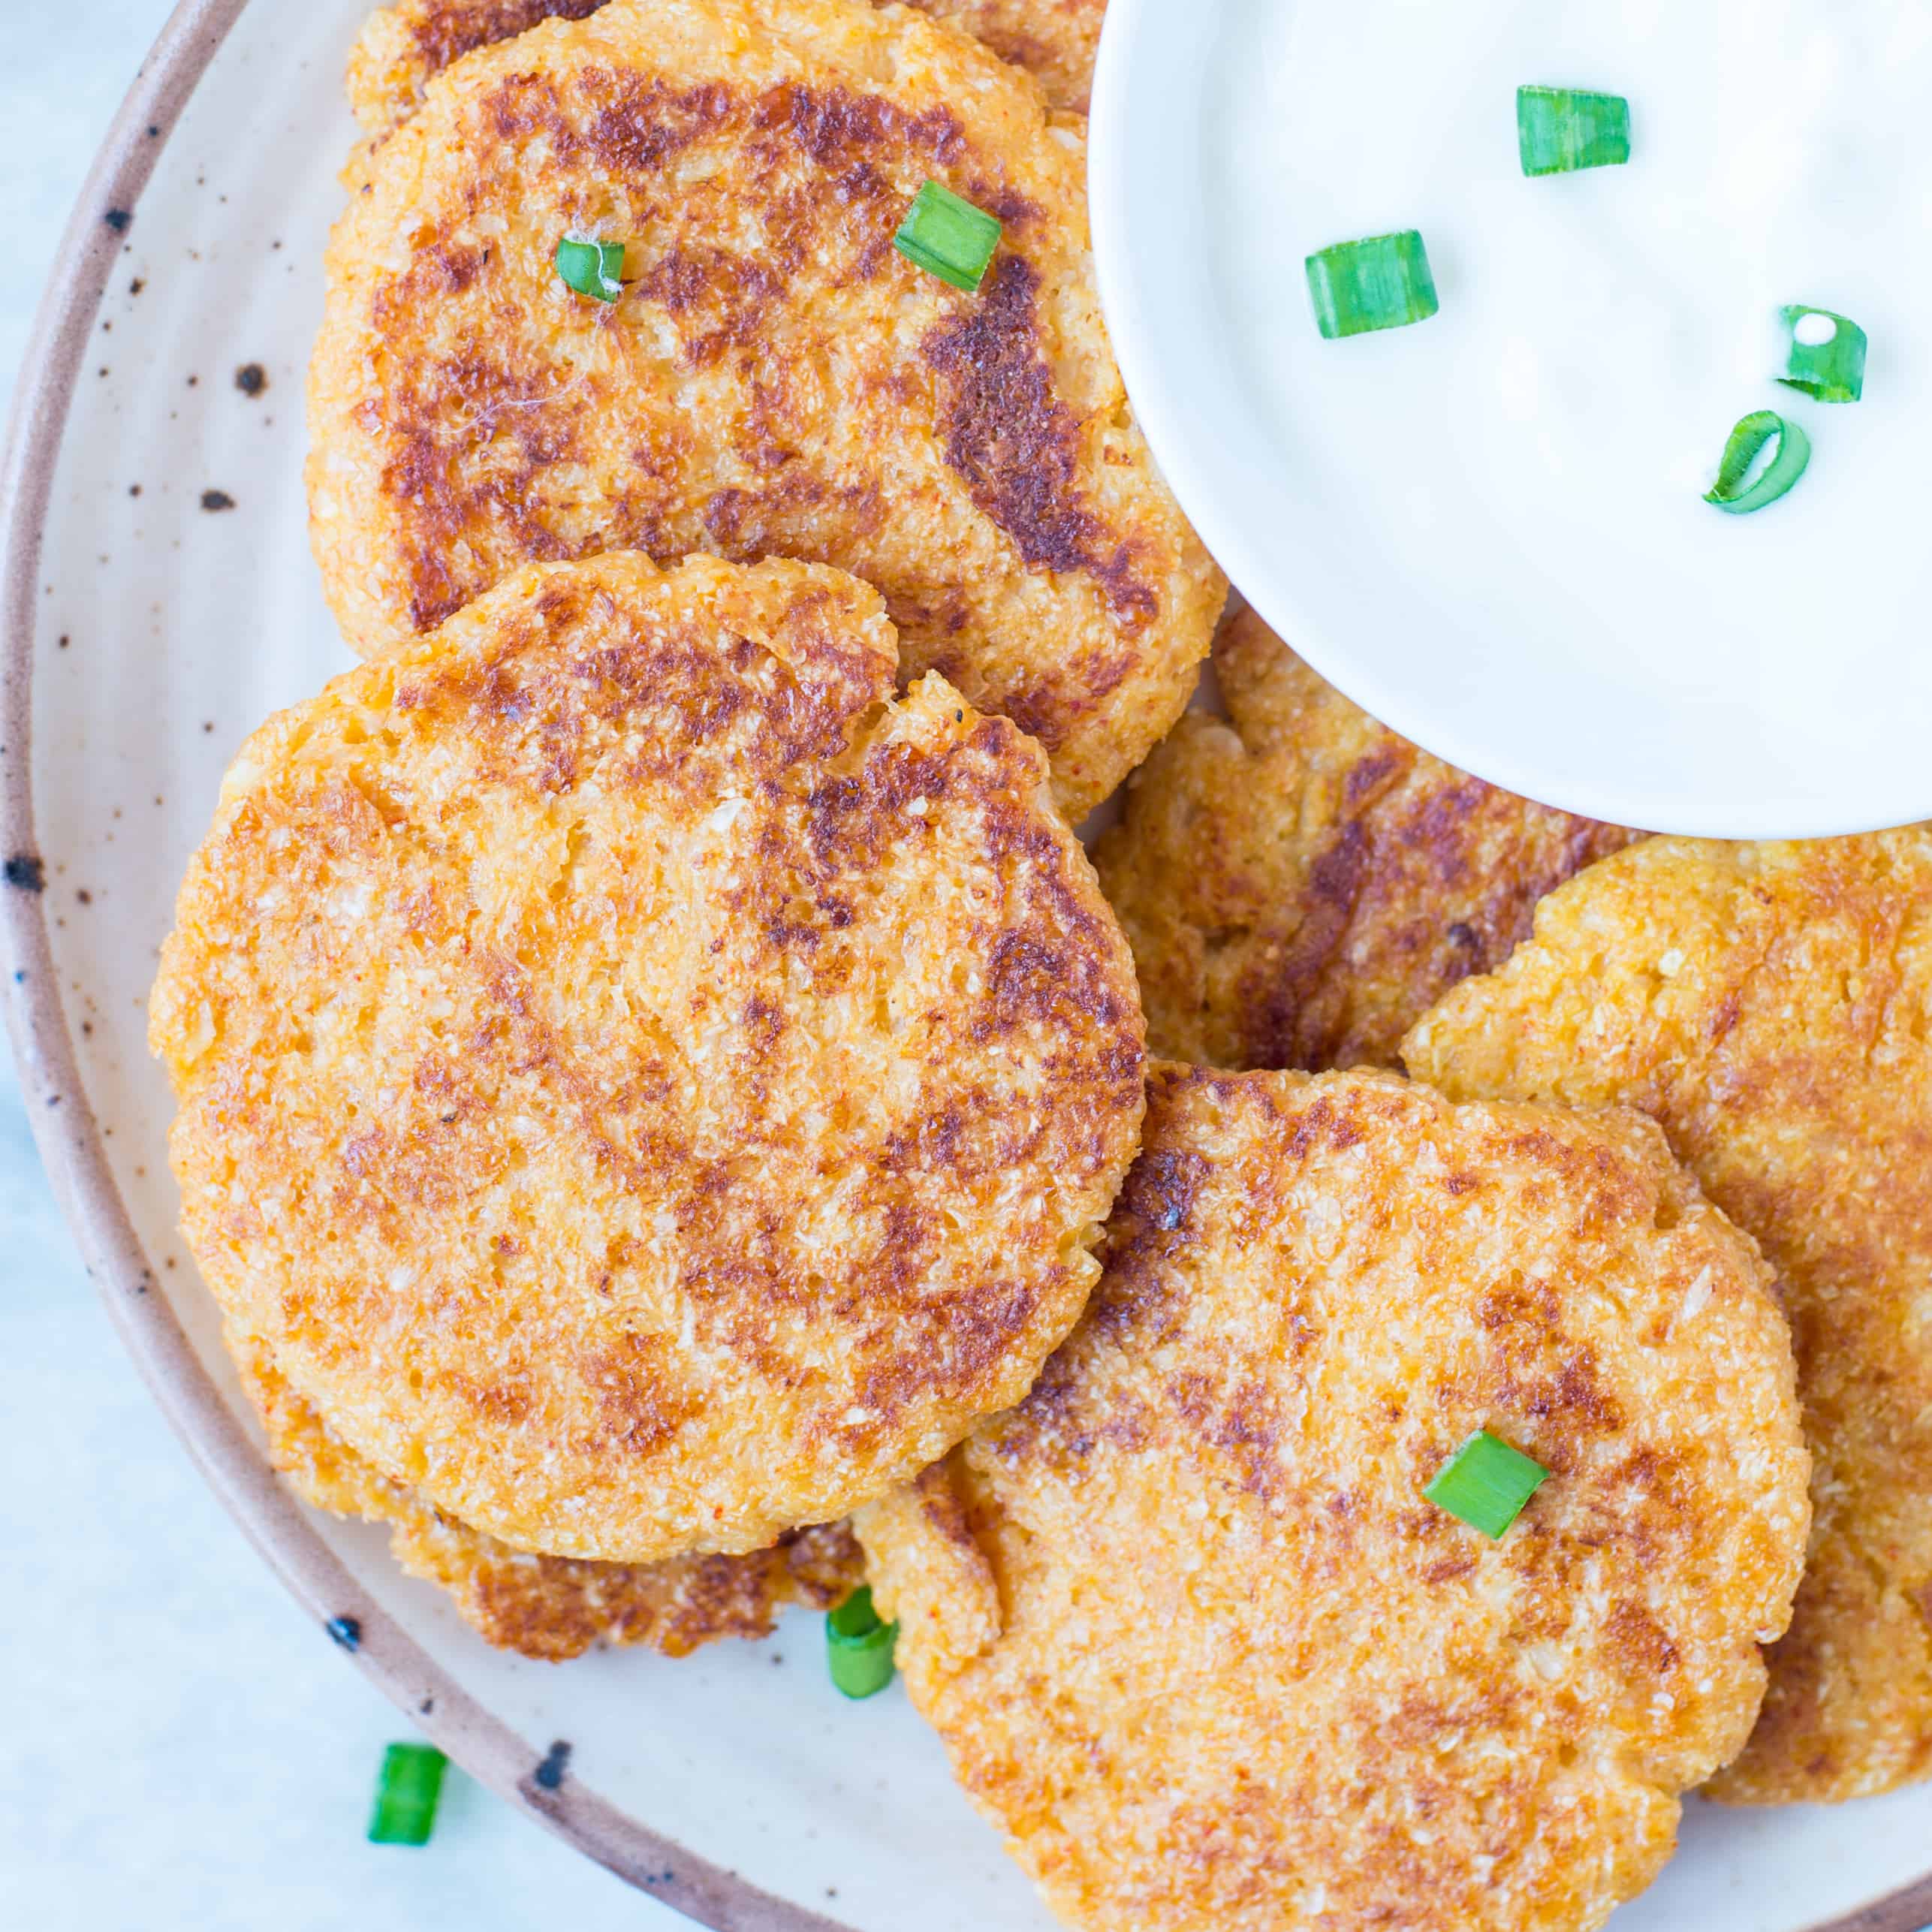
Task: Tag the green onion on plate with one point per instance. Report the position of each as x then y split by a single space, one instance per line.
1486 1483
859 1646
1764 456
1559 129
948 237
406 1794
1825 358
592 268
1381 282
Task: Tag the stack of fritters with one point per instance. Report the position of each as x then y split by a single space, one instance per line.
656 1068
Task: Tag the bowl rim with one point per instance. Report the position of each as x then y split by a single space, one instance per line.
1205 434
68 1135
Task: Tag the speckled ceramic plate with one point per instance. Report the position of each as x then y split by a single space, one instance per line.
158 600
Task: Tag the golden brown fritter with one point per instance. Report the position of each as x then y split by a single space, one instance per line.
647 1088
1185 1620
1771 1006
776 379
1299 883
550 1608
403 47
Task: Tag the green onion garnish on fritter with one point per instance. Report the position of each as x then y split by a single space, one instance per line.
948 237
406 1795
1561 129
1382 281
1486 1483
592 268
1765 455
1825 355
859 1648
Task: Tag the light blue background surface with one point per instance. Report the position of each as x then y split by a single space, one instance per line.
178 1747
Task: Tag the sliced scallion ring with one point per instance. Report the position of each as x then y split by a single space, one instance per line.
1561 129
1825 359
1382 281
859 1646
948 237
1486 1483
592 268
1765 455
407 1792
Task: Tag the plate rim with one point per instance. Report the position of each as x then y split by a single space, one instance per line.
67 1133
69 1137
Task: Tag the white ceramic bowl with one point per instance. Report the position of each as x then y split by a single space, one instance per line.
1734 699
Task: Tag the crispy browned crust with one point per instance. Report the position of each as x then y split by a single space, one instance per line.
776 378
403 48
647 1088
550 1608
1191 1632
1300 883
1771 1006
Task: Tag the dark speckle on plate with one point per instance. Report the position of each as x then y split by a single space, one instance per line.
347 1631
217 499
251 379
549 1775
26 873
119 219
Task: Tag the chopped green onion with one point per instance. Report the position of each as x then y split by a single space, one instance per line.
1486 1483
1561 129
1381 283
948 237
859 1646
406 1794
1826 359
592 268
1765 455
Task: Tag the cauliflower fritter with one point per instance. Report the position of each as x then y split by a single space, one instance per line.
403 48
1185 1620
646 1088
1300 883
776 379
550 1609
1771 1006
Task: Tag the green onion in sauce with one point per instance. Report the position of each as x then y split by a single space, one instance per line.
948 237
1559 129
1486 1483
592 268
1824 357
859 1646
1764 456
406 1794
1381 282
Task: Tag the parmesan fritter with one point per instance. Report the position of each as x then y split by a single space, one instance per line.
646 1088
1189 1629
404 46
1771 1006
1300 883
550 1608
776 379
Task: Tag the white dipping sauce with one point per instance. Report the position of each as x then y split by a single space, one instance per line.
1534 455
